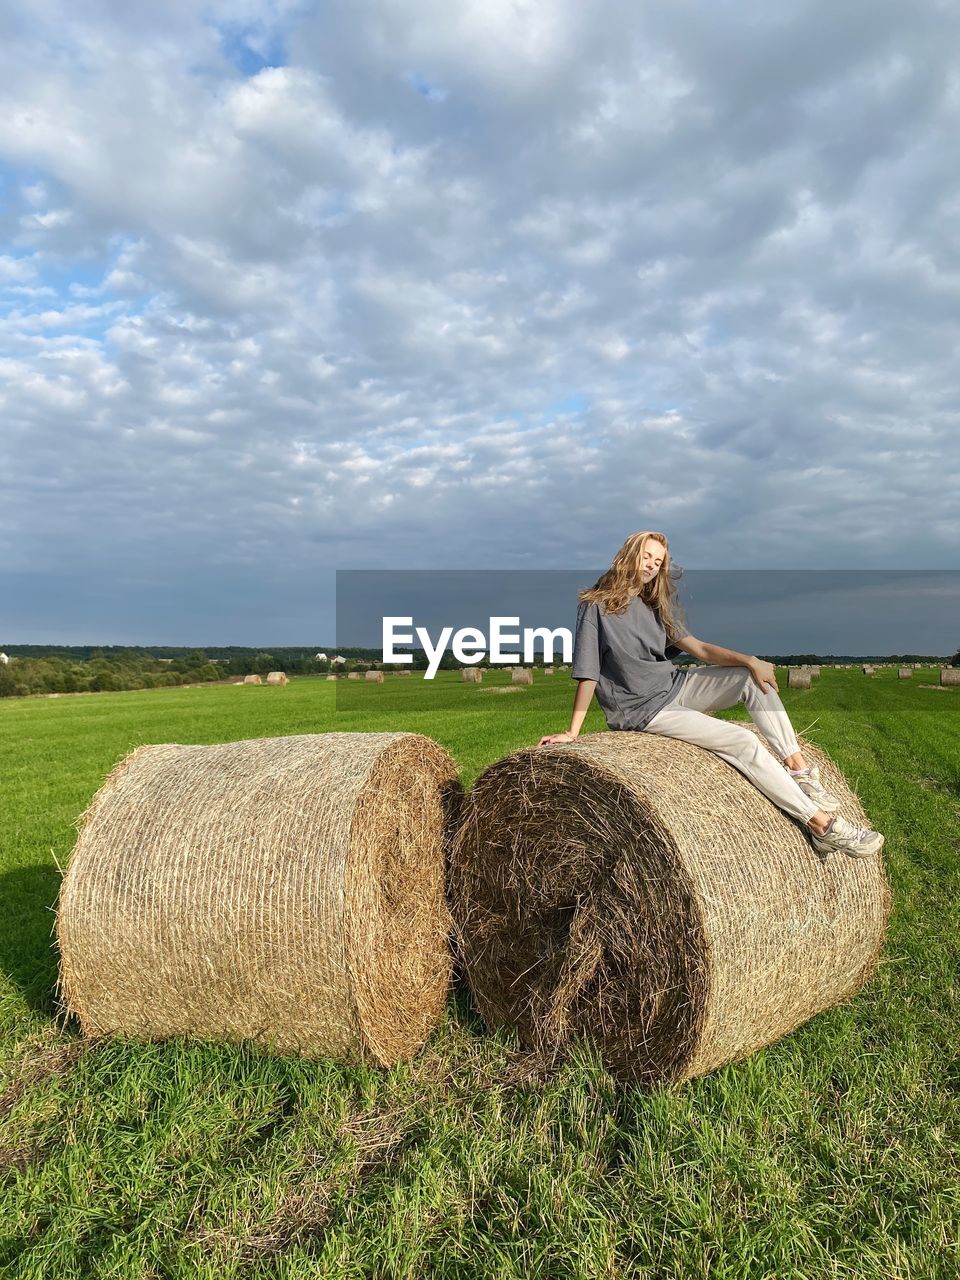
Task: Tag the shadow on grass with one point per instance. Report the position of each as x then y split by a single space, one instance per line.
28 956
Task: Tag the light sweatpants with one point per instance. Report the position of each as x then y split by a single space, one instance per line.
713 689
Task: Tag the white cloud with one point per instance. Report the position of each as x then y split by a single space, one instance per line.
479 278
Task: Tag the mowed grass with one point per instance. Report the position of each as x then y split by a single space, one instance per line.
832 1153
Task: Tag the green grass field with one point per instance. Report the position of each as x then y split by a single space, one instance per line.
830 1154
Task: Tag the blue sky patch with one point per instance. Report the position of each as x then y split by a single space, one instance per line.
250 49
574 403
418 81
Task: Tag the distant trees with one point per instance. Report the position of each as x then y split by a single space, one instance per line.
103 672
34 669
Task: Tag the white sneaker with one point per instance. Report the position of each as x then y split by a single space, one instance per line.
809 783
846 837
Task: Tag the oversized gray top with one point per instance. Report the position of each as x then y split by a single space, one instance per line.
629 657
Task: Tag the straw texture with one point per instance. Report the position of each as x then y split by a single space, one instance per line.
905 673
640 891
521 675
252 680
472 675
287 891
950 675
374 677
277 677
797 679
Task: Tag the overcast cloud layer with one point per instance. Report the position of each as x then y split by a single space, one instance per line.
292 287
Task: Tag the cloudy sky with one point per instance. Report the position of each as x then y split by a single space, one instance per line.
292 287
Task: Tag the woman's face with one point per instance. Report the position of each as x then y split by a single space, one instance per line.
654 554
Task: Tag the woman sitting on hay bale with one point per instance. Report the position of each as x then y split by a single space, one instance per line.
622 653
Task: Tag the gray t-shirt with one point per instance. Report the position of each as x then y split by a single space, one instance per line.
629 657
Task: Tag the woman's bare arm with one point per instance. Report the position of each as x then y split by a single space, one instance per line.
581 705
764 673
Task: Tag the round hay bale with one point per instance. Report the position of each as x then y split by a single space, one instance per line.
472 675
548 671
797 679
521 675
868 670
277 677
287 891
353 675
374 677
814 670
331 677
905 673
639 891
950 675
252 680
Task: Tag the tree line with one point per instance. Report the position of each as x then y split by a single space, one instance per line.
35 669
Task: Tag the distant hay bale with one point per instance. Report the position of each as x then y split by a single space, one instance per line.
548 671
637 890
868 670
521 675
797 679
814 670
277 677
353 675
472 675
331 677
252 680
905 673
950 675
287 891
374 677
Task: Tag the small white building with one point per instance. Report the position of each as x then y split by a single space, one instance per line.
4 659
338 659
320 657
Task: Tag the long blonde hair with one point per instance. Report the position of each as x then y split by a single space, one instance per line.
624 579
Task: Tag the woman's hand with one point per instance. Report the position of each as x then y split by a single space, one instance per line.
551 738
764 673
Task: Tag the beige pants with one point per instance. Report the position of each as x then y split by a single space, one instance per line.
713 689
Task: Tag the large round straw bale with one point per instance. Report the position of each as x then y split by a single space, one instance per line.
353 675
374 677
950 675
868 670
521 675
277 677
905 673
287 891
640 891
252 680
472 675
797 679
